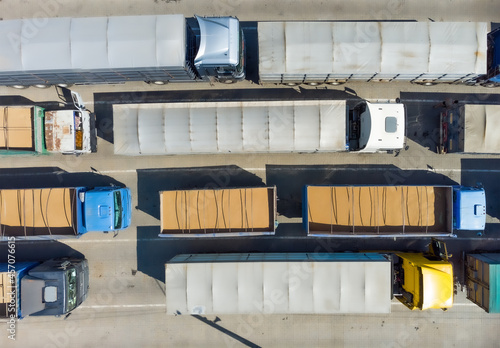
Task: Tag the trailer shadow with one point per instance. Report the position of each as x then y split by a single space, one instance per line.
290 180
423 111
151 181
42 177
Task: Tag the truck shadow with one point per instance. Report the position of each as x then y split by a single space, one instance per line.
151 181
290 180
42 177
423 110
39 251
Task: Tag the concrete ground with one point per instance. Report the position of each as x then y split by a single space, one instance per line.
126 304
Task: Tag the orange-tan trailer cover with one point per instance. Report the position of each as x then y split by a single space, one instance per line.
218 212
378 210
36 212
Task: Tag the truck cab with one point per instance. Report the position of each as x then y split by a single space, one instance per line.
424 280
492 78
55 287
376 127
469 208
71 131
105 208
221 49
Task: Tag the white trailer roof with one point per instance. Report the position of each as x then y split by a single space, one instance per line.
482 128
93 43
368 48
229 127
278 283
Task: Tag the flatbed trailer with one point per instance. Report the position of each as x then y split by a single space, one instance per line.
218 212
378 211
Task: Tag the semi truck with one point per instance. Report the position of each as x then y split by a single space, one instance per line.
389 211
219 212
47 213
155 49
482 280
308 283
469 128
54 287
32 129
257 127
425 53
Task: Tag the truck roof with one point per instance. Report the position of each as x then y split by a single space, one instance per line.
218 212
31 212
377 210
115 42
383 127
230 127
276 283
481 128
430 281
215 34
293 51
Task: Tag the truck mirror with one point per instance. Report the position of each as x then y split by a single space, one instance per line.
77 101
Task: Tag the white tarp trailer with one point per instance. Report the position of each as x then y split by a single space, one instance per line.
481 132
334 52
279 283
230 127
94 50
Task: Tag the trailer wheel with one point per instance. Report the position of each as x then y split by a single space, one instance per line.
19 86
336 83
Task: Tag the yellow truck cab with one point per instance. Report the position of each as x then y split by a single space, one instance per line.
425 280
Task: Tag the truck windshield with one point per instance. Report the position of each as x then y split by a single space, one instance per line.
118 209
78 131
241 62
72 288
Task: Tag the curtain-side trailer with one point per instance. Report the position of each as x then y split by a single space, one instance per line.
426 53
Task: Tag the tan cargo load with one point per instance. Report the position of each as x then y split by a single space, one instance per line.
16 127
214 211
378 209
37 211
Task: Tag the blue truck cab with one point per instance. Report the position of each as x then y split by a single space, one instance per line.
54 287
104 209
469 208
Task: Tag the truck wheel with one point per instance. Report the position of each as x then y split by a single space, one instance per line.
19 86
489 84
41 86
336 83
